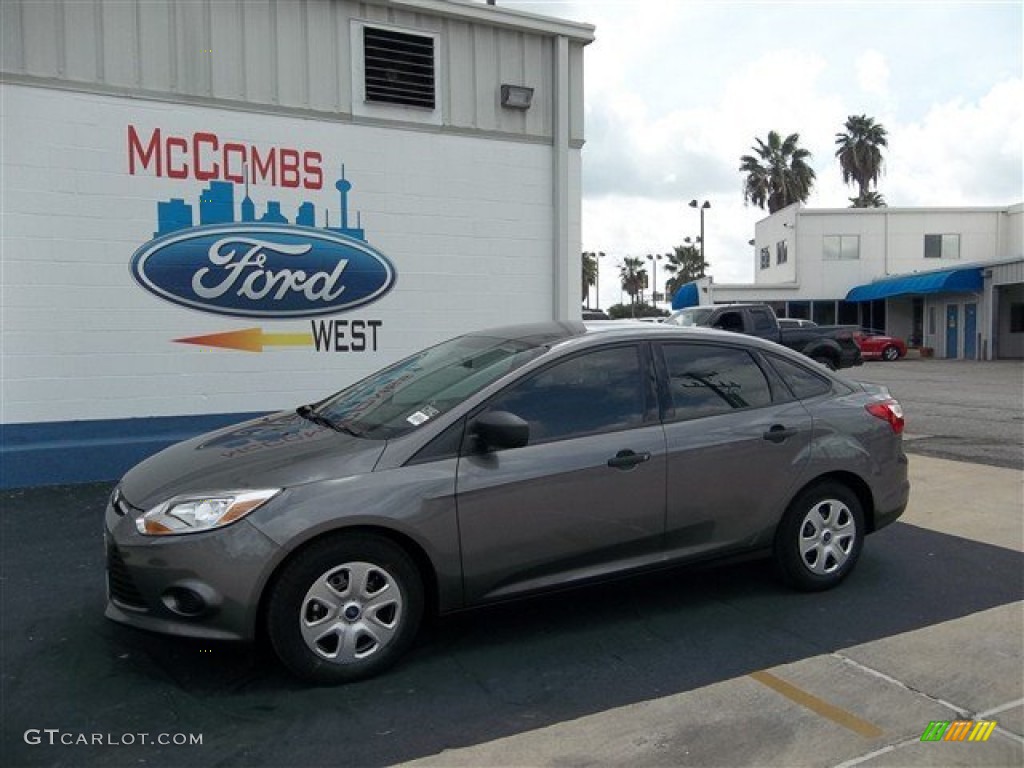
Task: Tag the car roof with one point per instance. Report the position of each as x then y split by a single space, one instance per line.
566 336
552 333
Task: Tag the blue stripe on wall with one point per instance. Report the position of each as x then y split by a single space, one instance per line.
57 453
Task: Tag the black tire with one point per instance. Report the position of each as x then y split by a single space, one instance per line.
890 353
825 360
345 608
820 537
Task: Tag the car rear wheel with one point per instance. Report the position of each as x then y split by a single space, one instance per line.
820 537
825 360
346 608
890 353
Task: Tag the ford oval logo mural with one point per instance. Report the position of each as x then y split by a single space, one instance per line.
267 271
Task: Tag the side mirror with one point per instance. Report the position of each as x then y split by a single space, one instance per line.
501 429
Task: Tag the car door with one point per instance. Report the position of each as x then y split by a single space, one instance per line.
736 445
585 496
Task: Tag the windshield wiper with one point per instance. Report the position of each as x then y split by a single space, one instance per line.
309 413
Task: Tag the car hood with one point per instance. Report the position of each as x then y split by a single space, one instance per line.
275 451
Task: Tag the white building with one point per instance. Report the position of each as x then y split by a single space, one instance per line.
951 279
214 209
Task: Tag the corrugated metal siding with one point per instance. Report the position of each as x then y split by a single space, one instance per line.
1008 274
283 53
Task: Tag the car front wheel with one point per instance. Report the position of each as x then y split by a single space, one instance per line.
820 537
346 608
890 353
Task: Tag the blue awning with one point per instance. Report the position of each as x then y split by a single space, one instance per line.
967 280
688 295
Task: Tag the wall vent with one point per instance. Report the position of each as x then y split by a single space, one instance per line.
399 68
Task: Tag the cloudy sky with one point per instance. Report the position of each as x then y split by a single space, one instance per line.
677 90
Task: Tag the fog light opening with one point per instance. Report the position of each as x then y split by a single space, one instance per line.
184 601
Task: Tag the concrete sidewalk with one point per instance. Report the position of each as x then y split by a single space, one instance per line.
864 705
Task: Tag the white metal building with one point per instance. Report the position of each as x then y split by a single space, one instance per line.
214 209
951 279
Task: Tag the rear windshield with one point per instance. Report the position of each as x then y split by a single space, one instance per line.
420 388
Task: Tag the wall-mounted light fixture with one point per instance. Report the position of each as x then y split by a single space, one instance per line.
516 96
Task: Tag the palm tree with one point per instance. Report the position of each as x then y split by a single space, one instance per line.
860 154
779 174
872 199
589 275
633 276
685 265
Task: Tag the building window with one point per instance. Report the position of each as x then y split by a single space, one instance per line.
1016 317
824 312
942 246
781 252
931 321
766 258
848 313
800 310
841 247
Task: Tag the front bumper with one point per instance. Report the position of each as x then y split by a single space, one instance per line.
204 585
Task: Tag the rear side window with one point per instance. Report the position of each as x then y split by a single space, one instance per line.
803 383
705 380
600 391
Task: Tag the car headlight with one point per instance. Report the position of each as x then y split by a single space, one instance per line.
191 514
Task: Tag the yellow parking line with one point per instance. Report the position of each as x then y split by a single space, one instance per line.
818 706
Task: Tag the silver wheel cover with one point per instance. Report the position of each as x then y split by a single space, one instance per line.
826 537
351 612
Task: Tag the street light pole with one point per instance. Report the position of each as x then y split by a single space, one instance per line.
654 293
701 207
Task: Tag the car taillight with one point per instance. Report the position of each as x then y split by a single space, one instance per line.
890 411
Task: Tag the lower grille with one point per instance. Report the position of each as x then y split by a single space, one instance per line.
122 588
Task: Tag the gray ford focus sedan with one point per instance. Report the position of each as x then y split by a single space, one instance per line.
494 465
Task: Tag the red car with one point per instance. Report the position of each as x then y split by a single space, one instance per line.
875 345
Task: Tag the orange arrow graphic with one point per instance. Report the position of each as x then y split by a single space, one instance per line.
250 340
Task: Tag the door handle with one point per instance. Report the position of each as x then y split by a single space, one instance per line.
628 459
778 433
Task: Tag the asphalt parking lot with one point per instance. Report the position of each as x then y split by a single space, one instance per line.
956 409
714 666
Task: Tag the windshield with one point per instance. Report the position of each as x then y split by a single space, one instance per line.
692 316
420 388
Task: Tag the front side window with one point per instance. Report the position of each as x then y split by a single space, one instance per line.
599 391
942 246
707 380
840 247
730 321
